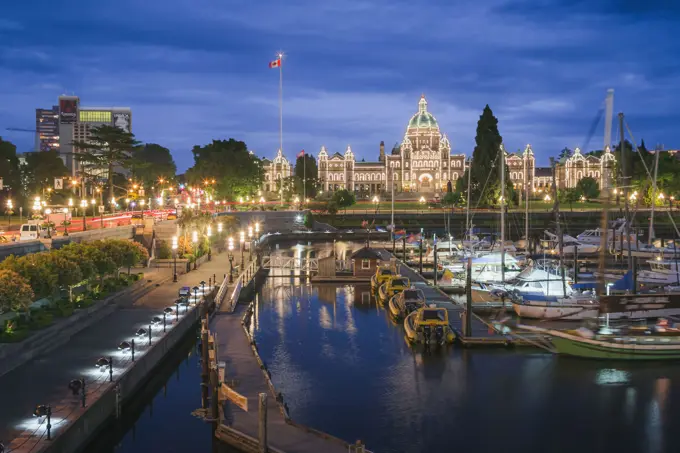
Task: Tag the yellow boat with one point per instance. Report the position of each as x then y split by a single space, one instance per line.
429 325
406 302
392 286
382 274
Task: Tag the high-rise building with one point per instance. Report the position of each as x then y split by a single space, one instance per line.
47 128
76 121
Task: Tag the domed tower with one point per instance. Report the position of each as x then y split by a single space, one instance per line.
423 129
607 164
323 167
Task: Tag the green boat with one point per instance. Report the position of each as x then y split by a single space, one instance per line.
585 343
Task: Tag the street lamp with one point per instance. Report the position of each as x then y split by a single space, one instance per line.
242 242
174 254
546 198
422 203
48 211
83 206
209 234
230 241
9 213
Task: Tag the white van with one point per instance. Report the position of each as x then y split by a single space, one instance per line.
30 232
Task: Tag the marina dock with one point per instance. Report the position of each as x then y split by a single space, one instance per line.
483 333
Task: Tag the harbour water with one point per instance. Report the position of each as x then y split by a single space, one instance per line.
343 367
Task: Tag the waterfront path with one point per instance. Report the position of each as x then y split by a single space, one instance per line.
243 368
44 380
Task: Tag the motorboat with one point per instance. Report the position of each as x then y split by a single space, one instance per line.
570 245
382 274
662 272
429 325
392 286
406 302
594 236
486 268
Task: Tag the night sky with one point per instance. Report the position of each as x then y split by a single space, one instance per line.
197 70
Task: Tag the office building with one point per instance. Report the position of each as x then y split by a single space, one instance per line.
47 128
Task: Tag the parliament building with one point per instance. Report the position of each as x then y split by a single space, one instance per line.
423 163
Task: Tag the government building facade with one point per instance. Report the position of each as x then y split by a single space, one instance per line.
423 163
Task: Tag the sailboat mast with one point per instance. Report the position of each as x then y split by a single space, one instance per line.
558 227
526 203
502 151
467 205
626 186
654 187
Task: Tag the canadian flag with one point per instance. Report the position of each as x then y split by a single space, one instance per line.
301 153
275 64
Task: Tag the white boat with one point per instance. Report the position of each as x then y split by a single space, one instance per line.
594 237
662 272
486 268
570 245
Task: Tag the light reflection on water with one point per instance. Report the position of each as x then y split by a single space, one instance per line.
344 367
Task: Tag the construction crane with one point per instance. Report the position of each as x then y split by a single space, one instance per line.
37 136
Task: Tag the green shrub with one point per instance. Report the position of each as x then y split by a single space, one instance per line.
163 250
40 319
84 303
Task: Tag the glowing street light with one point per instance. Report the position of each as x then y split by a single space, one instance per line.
546 198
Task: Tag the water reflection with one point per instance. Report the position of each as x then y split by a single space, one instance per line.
347 370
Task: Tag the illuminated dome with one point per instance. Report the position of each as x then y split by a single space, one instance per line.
423 119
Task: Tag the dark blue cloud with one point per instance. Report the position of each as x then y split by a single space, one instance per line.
194 70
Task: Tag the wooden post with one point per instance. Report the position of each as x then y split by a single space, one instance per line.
204 367
435 260
262 427
214 400
468 302
575 265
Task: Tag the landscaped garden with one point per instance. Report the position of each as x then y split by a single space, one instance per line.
38 288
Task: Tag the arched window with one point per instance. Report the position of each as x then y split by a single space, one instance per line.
455 176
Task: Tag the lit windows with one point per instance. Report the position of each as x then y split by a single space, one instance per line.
94 116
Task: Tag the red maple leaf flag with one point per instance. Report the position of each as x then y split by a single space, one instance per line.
275 64
301 153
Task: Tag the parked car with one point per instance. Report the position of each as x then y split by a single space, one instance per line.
184 291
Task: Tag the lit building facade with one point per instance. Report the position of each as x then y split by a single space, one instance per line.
274 171
76 121
423 163
47 128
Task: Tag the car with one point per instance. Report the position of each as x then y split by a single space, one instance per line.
184 291
172 216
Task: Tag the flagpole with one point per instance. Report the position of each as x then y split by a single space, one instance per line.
280 56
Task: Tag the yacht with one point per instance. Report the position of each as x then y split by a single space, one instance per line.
662 272
485 268
594 237
570 245
539 292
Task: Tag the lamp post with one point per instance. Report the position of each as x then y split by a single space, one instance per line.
9 213
83 206
422 203
93 202
48 211
231 259
174 254
209 234
194 239
250 242
70 206
242 242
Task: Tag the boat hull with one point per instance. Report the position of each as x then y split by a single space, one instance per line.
578 312
597 349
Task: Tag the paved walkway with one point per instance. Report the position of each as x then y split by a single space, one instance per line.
242 366
45 379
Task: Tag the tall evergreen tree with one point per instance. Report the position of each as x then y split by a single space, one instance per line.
485 181
305 168
108 148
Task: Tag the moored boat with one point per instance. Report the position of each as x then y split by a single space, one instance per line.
429 325
406 302
392 286
382 274
611 345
